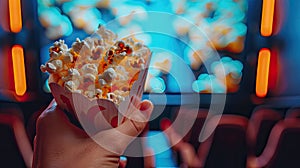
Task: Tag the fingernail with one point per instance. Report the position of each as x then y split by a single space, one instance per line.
145 105
146 108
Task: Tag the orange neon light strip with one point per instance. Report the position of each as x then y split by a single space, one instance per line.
262 74
267 16
19 69
15 15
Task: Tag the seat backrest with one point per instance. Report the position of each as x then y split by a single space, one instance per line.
259 128
293 113
10 155
283 147
193 135
226 147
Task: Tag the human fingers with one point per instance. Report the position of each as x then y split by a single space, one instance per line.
117 139
136 120
133 105
53 121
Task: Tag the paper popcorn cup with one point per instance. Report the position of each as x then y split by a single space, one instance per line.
95 79
97 114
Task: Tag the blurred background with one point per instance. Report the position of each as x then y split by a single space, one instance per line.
245 50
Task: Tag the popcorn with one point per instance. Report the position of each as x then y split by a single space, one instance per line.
68 58
54 54
77 45
102 82
98 93
99 66
89 94
89 78
70 85
43 68
115 98
73 72
107 35
137 46
58 46
108 75
96 54
50 67
56 64
90 68
138 63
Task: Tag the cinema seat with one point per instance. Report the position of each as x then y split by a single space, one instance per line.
186 147
293 113
15 148
283 147
193 135
260 125
226 147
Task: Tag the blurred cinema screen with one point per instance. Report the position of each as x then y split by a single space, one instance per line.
197 45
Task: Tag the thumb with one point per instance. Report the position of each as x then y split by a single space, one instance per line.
117 139
137 120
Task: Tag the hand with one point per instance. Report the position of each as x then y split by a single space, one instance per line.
58 143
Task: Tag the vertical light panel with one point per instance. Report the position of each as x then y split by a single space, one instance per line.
262 74
15 15
267 16
275 66
19 69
